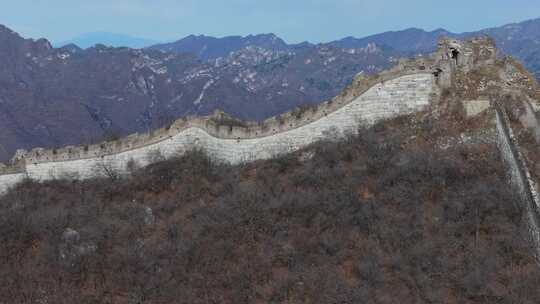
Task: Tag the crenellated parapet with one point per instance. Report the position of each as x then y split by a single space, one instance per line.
221 125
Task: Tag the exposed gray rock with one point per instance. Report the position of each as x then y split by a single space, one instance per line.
71 236
149 218
71 249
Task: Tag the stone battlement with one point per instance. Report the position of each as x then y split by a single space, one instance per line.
219 125
411 86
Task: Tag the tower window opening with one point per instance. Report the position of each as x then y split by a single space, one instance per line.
455 55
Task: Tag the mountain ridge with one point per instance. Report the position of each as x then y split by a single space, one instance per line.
410 42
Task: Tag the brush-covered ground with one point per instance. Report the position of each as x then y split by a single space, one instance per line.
382 217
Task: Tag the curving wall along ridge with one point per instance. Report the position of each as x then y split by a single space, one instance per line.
403 95
398 92
409 87
220 125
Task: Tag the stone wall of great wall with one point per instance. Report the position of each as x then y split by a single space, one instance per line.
519 177
411 86
403 95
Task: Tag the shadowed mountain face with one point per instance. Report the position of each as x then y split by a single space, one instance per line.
60 96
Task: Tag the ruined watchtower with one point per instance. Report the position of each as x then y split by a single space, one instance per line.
454 54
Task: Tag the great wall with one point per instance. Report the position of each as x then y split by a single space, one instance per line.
519 176
401 92
414 85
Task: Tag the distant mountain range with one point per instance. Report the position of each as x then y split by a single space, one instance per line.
71 95
109 39
521 40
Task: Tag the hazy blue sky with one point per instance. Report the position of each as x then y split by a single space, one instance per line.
294 20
